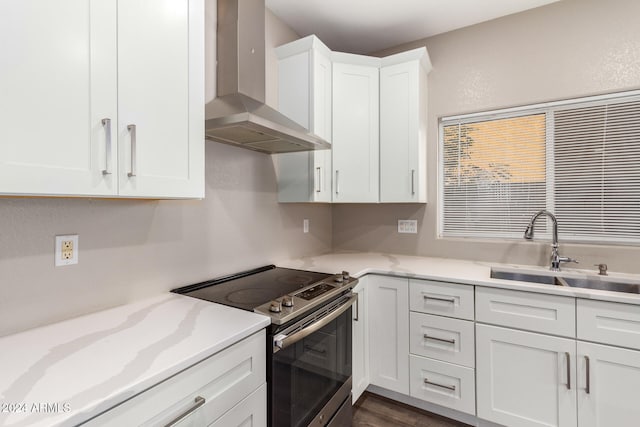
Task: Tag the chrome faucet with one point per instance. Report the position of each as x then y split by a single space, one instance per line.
556 259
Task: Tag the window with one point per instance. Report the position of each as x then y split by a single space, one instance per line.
579 159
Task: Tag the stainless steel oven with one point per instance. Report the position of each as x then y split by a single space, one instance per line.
308 342
311 368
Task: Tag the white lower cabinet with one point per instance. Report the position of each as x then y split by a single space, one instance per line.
360 353
222 387
388 308
608 386
525 379
442 383
251 412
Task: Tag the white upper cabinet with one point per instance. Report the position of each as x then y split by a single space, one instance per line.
304 95
58 82
161 98
355 129
372 110
75 75
403 126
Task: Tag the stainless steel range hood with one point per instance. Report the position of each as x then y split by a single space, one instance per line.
239 114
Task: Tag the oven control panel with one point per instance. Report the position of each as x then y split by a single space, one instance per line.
315 291
288 307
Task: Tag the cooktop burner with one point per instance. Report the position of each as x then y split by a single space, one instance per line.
254 288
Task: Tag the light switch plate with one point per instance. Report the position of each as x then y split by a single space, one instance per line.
408 226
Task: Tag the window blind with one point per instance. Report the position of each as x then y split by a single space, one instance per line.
494 176
597 172
577 158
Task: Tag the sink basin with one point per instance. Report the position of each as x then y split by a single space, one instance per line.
574 281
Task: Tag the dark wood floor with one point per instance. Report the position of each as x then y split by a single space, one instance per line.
376 411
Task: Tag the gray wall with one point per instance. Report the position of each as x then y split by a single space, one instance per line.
129 249
567 49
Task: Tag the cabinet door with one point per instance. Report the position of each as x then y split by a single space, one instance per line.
58 83
608 393
355 133
360 349
161 98
403 133
525 379
388 310
304 95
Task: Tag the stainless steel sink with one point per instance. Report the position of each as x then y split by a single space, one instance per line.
598 282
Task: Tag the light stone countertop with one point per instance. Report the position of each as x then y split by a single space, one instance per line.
65 373
359 264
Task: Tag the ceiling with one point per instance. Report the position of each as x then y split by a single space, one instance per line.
365 26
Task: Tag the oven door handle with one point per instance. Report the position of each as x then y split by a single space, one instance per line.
283 341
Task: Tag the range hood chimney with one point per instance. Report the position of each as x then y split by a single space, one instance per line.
239 115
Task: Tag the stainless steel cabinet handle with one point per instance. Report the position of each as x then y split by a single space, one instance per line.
413 182
132 131
429 337
587 387
337 182
357 309
451 300
106 123
568 370
198 402
448 387
318 180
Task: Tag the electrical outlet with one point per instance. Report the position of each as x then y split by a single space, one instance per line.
66 251
305 225
408 226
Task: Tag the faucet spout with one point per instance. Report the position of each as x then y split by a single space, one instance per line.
528 233
556 259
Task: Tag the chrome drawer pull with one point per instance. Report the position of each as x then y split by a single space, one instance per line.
132 130
427 337
568 370
318 176
587 388
413 180
357 309
451 300
448 387
106 123
198 402
337 182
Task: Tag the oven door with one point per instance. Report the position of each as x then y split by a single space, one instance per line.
311 367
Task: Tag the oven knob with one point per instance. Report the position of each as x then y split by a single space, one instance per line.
345 275
338 278
275 307
287 301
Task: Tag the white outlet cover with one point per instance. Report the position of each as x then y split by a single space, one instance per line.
305 225
58 250
408 226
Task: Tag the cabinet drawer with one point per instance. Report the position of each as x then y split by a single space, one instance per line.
251 412
609 323
549 314
445 299
442 338
223 380
442 383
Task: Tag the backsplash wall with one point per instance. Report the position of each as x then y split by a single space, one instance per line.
129 249
566 49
